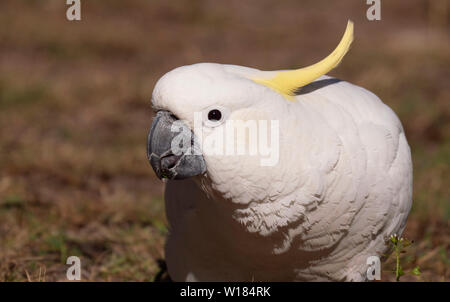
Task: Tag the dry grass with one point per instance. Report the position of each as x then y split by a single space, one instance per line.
74 114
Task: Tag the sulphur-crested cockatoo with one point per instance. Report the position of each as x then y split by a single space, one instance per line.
337 185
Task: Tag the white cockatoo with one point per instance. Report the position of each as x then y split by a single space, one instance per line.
338 187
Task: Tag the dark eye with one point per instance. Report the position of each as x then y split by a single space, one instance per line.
214 115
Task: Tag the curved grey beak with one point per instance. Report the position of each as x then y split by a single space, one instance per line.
170 148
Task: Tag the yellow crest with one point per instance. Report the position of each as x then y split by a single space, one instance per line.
287 82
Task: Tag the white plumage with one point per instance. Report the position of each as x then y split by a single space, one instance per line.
342 186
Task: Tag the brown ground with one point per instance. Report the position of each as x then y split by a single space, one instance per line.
75 111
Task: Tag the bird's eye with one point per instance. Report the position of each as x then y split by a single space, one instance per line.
214 115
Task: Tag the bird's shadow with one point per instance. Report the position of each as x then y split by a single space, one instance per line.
163 274
315 86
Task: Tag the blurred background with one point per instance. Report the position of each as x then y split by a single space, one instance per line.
75 113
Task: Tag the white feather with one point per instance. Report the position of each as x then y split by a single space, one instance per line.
342 186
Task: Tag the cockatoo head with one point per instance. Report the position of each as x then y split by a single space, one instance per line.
194 103
201 98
